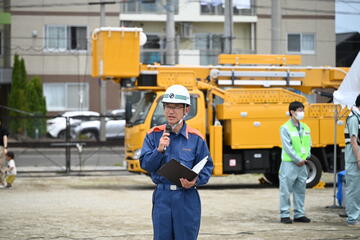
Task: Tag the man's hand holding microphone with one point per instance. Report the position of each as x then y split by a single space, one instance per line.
165 139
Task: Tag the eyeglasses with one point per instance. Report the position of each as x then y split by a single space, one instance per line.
167 107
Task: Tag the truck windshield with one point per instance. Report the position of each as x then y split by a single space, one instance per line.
142 108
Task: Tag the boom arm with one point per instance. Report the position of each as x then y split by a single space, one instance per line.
116 56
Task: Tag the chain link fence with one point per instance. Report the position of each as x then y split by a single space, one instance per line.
66 143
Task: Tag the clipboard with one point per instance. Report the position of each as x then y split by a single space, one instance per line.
173 171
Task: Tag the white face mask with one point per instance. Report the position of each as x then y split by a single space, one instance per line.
299 115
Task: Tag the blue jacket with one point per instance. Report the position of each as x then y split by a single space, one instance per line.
188 147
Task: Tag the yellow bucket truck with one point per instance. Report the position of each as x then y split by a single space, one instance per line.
239 105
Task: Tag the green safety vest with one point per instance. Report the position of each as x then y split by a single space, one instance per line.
301 144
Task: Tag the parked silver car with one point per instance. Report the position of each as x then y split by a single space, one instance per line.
114 125
56 127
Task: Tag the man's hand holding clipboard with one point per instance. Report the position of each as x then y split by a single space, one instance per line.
181 175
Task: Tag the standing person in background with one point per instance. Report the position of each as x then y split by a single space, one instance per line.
296 146
176 210
352 165
3 150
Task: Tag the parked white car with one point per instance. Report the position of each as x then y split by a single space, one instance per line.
56 127
114 125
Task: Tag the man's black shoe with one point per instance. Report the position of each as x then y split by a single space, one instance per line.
302 219
343 215
286 220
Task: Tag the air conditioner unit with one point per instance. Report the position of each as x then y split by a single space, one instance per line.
186 30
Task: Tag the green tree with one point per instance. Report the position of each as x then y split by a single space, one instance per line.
26 96
17 98
36 126
23 74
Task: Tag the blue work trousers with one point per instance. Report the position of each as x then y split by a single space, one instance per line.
292 180
176 213
352 178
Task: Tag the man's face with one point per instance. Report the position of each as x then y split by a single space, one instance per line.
298 114
174 112
297 111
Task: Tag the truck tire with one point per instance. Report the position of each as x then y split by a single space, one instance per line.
314 173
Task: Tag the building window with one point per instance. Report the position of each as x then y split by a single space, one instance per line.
62 38
301 43
147 6
66 96
217 7
210 46
153 50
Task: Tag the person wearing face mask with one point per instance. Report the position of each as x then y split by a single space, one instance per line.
296 146
176 210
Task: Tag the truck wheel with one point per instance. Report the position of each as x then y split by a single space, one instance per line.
314 171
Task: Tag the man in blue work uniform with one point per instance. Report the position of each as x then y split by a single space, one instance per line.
352 165
296 146
176 210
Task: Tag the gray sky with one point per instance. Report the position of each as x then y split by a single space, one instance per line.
347 22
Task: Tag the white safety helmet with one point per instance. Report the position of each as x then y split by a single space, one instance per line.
176 94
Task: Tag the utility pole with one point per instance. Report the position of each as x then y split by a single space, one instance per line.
170 32
276 27
102 83
228 26
7 38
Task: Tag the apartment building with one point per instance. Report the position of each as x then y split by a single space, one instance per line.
199 29
308 29
53 36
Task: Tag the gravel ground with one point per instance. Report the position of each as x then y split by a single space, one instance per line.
119 207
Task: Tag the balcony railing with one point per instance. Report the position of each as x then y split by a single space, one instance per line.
210 9
147 6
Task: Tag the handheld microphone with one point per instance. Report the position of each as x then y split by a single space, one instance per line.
168 130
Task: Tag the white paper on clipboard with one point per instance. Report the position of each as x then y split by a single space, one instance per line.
197 168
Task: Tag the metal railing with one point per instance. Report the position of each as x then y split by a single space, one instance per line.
151 7
65 144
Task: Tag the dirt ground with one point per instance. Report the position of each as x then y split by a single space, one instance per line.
119 207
